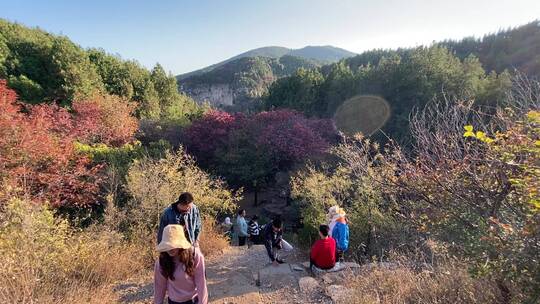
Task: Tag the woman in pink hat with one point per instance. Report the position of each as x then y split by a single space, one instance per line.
180 270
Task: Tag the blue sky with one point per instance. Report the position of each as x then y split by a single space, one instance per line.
187 35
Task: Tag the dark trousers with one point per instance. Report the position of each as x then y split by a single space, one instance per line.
194 301
339 255
255 239
242 240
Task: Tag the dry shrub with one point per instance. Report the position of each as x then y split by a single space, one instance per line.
81 295
212 240
45 260
155 184
446 284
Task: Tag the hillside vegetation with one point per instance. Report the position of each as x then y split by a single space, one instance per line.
406 78
245 79
238 83
43 67
92 148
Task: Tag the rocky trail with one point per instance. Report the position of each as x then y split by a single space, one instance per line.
245 276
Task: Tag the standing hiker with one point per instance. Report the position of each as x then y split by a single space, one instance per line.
253 231
241 227
340 233
182 212
226 227
180 270
274 242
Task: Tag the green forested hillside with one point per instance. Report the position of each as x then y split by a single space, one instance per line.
405 79
517 48
43 67
409 78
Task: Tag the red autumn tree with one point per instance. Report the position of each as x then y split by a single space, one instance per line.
289 136
104 119
204 136
249 149
37 146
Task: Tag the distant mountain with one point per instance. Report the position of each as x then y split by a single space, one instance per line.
239 80
325 54
235 84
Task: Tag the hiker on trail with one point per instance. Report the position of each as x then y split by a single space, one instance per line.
323 252
241 227
273 241
226 227
334 213
340 233
182 212
253 231
179 272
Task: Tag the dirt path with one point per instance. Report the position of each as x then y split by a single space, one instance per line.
232 278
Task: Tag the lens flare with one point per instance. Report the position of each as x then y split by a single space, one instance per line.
362 114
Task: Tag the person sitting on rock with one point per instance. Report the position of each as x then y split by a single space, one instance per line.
323 252
179 271
274 242
340 233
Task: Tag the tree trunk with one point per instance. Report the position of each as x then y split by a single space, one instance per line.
255 196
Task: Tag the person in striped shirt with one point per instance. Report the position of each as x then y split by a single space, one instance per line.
254 231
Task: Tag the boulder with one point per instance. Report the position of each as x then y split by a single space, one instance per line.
337 293
308 284
298 267
346 267
280 275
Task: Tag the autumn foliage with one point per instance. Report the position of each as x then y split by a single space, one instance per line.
250 148
37 154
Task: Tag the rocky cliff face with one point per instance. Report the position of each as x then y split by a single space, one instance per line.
214 94
236 84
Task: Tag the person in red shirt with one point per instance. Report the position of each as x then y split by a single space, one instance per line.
323 252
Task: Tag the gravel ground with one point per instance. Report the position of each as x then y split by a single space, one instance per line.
232 278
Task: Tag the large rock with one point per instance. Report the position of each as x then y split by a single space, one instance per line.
343 268
280 275
308 284
338 293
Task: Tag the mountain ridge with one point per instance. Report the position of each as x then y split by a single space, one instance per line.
324 54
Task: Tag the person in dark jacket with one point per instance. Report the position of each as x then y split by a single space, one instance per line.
273 241
182 212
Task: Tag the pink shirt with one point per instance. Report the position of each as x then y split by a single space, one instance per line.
184 287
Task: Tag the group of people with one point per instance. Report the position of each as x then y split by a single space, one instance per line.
180 272
271 235
333 241
246 231
325 252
